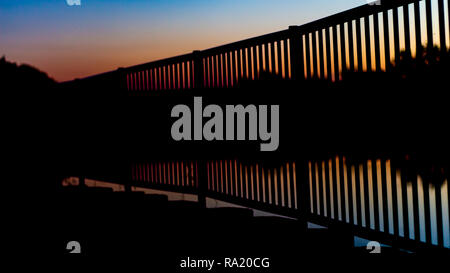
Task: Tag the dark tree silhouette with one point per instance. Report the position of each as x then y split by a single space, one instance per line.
22 77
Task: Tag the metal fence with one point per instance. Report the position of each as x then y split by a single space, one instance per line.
366 38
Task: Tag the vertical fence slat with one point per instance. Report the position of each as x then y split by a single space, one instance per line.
328 52
359 54
229 69
209 76
151 79
236 179
138 81
343 48
314 207
259 177
426 201
350 45
359 209
277 184
286 58
365 176
396 35
429 21
308 57
251 58
233 68
177 75
326 183
241 178
448 23
322 190
255 61
407 30
170 77
260 59
266 57
384 192
155 78
174 76
292 185
245 61
193 76
216 175
166 77
214 69
376 33
335 188
368 44
387 47
442 40
347 188
415 189
335 54
284 186
239 66
417 28
440 235
395 207
405 203
321 57
279 59
376 209
272 58
314 54
185 73
220 70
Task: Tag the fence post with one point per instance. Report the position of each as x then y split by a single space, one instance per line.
296 50
198 69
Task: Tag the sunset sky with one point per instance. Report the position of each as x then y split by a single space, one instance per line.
76 41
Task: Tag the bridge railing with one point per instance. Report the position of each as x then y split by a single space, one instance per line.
365 38
370 37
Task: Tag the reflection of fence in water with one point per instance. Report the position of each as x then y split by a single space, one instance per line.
378 196
372 195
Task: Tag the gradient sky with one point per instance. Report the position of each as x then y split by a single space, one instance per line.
98 36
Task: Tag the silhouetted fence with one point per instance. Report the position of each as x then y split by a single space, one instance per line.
366 38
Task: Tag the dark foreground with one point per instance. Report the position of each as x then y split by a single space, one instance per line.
162 234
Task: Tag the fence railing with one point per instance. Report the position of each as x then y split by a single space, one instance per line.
366 38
